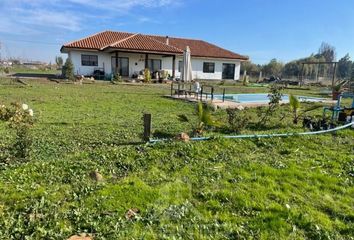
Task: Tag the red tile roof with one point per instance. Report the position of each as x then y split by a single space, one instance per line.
150 43
200 48
145 43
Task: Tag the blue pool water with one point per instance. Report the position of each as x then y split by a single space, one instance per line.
262 98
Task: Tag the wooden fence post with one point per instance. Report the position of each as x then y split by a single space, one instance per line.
147 126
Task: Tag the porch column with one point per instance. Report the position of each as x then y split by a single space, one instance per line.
146 60
173 67
117 63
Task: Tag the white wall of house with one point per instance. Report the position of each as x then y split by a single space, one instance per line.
197 67
104 61
137 63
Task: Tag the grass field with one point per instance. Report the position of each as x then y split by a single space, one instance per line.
27 70
280 188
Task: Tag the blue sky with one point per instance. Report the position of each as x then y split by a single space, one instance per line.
261 29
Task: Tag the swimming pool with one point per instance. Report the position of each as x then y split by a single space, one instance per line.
263 98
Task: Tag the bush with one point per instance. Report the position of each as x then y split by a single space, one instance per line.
19 118
117 78
68 70
164 74
7 70
204 119
147 75
275 97
237 119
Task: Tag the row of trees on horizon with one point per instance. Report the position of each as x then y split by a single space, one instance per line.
295 68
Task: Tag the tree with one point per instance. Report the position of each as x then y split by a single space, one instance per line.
344 67
68 69
273 68
59 61
352 72
249 67
292 68
327 51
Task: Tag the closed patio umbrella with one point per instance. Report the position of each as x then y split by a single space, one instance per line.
187 66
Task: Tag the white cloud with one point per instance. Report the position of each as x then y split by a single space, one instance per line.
73 15
120 5
47 18
31 16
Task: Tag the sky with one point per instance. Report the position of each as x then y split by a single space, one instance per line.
260 29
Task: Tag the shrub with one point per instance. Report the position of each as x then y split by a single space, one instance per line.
204 119
164 75
117 78
275 97
68 70
147 75
294 106
237 119
7 70
19 118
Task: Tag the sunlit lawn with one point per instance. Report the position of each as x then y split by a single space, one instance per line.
280 188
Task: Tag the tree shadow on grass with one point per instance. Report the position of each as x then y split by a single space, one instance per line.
35 75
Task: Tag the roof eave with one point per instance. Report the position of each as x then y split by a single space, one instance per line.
108 49
66 49
242 58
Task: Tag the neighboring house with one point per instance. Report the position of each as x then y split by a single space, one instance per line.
128 54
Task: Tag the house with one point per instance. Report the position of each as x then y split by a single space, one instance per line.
128 54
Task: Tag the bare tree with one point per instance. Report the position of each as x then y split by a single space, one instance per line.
327 51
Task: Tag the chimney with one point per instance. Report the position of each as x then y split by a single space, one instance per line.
167 40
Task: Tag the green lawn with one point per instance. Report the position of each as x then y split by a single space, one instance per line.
280 188
27 70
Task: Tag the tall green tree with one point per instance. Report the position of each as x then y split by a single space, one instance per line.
344 67
68 69
273 68
292 68
249 67
352 72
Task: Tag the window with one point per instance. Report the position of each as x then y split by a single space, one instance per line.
180 66
208 67
154 65
89 60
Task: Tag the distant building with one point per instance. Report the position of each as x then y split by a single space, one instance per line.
6 63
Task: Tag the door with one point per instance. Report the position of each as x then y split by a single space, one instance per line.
154 65
228 71
123 66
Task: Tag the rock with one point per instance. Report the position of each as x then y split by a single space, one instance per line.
131 213
183 137
82 236
95 175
